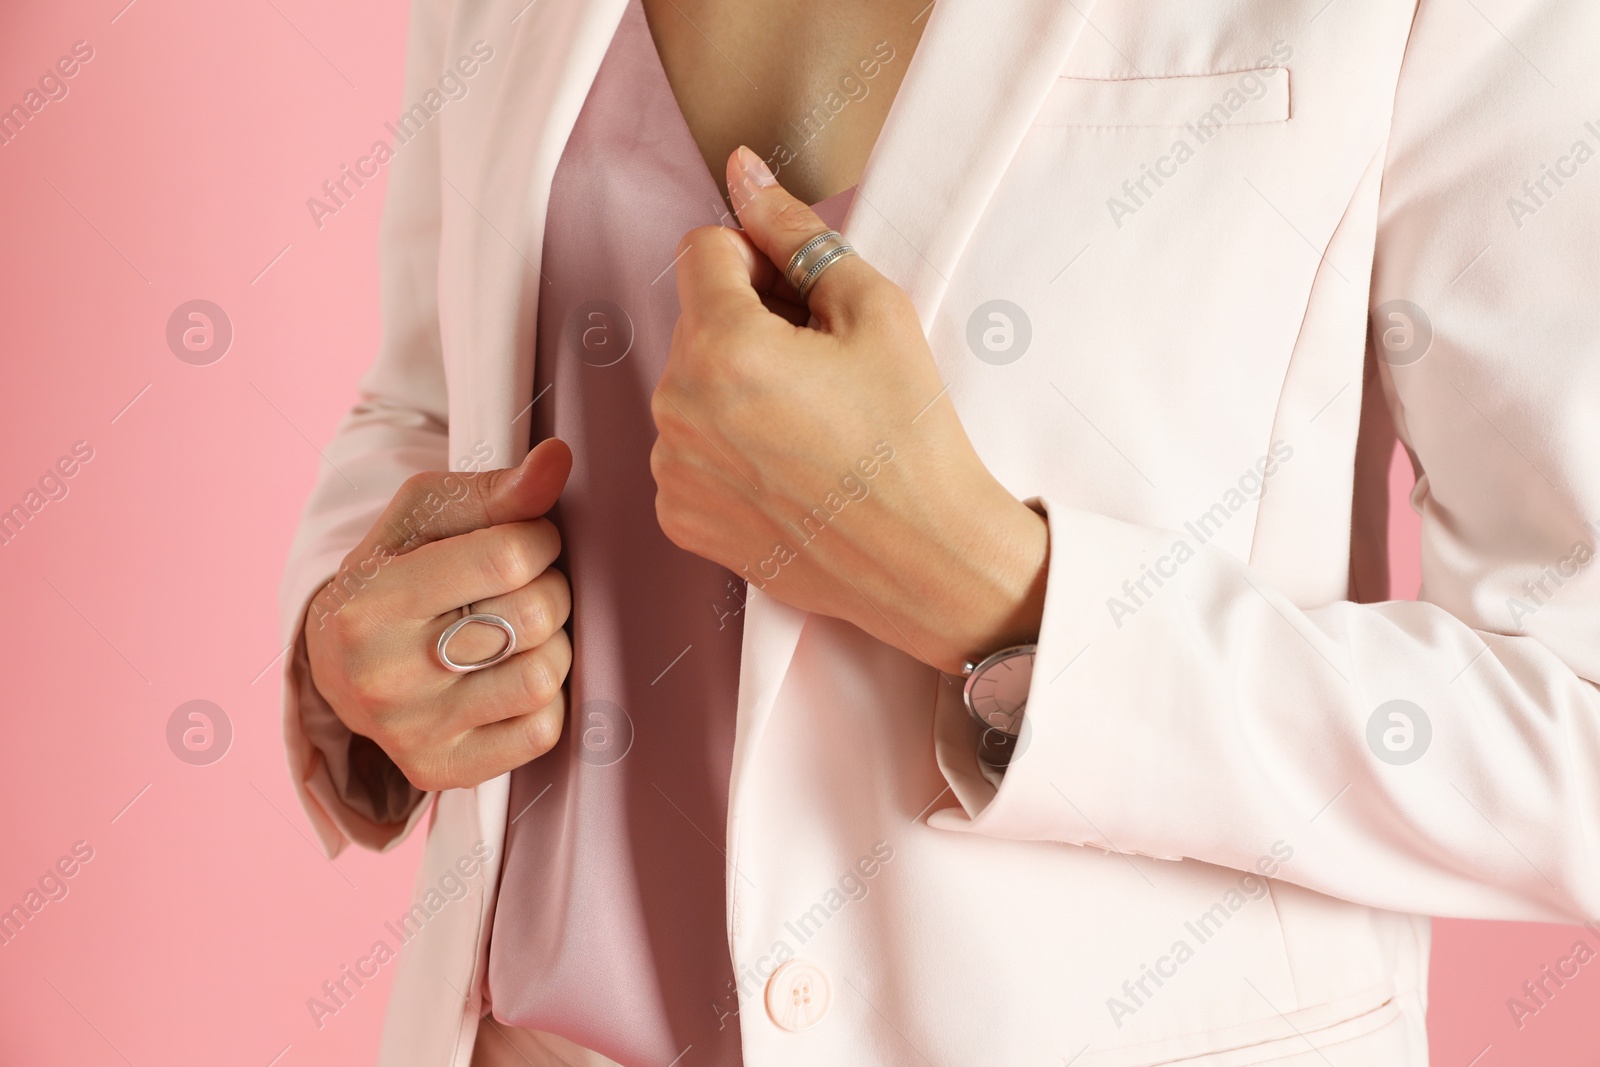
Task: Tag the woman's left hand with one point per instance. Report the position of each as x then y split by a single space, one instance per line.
825 464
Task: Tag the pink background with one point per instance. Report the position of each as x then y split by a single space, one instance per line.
176 168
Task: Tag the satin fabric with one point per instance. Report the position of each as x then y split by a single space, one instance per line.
609 926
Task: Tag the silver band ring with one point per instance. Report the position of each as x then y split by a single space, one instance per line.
483 617
814 257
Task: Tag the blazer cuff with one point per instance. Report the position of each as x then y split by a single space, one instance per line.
1076 741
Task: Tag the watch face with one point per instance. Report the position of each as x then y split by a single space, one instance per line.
997 691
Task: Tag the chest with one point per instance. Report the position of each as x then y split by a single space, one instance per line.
807 87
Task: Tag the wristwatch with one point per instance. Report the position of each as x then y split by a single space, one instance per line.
996 692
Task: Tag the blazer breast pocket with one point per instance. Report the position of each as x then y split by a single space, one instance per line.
1197 101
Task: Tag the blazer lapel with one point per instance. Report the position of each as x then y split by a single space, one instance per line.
974 85
977 80
494 194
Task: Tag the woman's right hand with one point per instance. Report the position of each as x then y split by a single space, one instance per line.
448 540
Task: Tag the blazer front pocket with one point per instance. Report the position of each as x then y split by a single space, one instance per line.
1210 101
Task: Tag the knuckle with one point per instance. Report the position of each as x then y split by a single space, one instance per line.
711 334
356 626
675 345
417 776
666 409
658 460
340 610
406 510
542 729
560 588
420 511
558 600
665 516
368 682
660 409
699 237
414 487
793 216
328 629
508 561
534 615
405 735
688 341
538 682
416 772
673 520
439 765
546 536
428 775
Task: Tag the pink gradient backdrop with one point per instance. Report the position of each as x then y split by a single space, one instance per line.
177 167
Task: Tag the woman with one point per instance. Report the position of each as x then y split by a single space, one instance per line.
717 694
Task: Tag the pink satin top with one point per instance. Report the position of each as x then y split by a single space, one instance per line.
610 928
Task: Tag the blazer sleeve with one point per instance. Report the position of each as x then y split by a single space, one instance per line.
1441 756
397 428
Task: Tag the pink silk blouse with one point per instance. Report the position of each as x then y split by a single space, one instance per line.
610 929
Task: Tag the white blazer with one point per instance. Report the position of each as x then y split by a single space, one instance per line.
1192 249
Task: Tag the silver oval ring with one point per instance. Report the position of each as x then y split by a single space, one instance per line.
483 617
814 257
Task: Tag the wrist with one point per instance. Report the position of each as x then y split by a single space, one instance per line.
951 570
1010 610
995 598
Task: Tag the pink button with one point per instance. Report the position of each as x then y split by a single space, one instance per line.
798 995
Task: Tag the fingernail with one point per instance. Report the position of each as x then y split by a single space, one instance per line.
753 174
755 169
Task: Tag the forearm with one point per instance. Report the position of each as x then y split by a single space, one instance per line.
967 580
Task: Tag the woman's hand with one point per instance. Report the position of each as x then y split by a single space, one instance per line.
825 464
448 540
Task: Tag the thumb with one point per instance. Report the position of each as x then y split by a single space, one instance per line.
779 225
529 489
439 504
